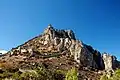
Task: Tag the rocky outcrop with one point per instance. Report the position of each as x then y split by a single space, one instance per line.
54 41
65 39
58 33
110 62
81 54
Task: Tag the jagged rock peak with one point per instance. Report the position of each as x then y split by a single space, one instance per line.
110 61
50 30
50 26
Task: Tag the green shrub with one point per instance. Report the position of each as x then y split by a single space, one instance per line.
60 72
72 74
16 76
5 74
59 75
44 74
115 76
104 77
37 73
28 76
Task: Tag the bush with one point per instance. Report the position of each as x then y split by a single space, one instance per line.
16 76
115 76
104 77
28 76
72 74
44 74
59 74
35 73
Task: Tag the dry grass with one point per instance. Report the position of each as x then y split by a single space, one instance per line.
6 65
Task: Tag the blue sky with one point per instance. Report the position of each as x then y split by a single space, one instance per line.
95 22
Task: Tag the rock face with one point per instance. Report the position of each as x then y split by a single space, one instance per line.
110 62
54 41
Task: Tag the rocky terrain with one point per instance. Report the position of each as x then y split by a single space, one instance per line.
56 52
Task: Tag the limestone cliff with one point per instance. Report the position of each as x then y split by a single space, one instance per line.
56 42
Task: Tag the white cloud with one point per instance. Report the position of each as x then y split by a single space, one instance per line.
3 51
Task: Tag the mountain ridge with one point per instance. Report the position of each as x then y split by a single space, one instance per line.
54 47
69 37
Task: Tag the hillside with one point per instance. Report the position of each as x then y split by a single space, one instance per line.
52 54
